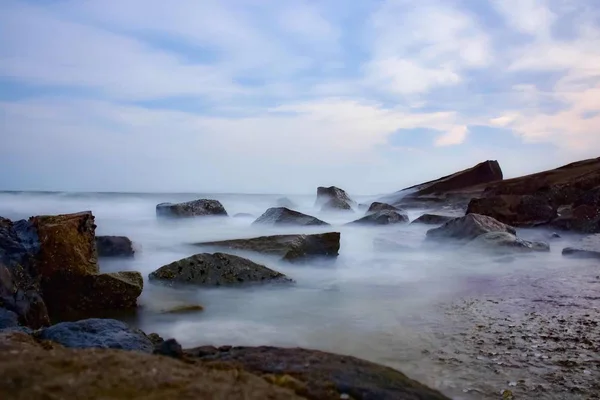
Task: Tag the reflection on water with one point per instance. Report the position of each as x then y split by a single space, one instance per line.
389 307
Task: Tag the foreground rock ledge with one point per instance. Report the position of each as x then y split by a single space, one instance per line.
289 247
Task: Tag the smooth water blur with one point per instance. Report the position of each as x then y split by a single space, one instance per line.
385 306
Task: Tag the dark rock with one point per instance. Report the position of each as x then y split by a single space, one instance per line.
195 208
243 215
114 246
98 333
377 206
285 216
384 217
285 202
217 269
336 205
468 228
588 248
8 319
92 293
504 241
515 210
433 219
19 295
325 194
156 339
584 219
323 375
289 247
169 348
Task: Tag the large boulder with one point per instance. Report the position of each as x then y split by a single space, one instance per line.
30 370
216 269
194 208
114 246
378 206
468 228
384 217
289 247
336 205
432 219
320 375
285 216
504 241
97 333
325 194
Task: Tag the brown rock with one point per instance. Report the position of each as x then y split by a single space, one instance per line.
30 371
523 210
318 375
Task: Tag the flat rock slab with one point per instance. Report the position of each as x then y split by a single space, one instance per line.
383 217
114 246
285 216
322 375
216 269
98 333
195 208
468 228
29 370
289 247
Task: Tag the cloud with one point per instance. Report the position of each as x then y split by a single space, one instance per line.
456 135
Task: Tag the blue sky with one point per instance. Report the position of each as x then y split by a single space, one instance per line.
272 96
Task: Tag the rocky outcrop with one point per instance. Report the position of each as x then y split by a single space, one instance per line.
320 375
97 333
285 216
468 228
432 219
114 246
285 202
195 208
336 205
325 194
504 241
30 370
456 189
566 197
377 206
384 217
289 247
216 269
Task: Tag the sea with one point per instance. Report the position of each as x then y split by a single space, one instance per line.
417 309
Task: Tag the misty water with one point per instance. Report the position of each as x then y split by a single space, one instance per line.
399 308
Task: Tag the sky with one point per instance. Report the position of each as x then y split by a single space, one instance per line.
267 96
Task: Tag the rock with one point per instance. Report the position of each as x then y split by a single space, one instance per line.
92 293
377 206
216 269
336 205
156 339
285 216
8 319
195 208
243 215
20 295
515 210
285 202
588 248
433 219
583 218
325 194
98 333
289 247
502 241
384 217
67 244
114 246
468 228
29 370
320 375
184 308
169 348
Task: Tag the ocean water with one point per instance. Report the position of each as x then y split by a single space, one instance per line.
391 307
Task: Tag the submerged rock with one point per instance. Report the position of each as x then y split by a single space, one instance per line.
502 241
468 228
285 216
289 247
321 375
588 248
433 219
377 206
336 205
114 246
384 217
97 333
325 194
216 269
29 370
194 208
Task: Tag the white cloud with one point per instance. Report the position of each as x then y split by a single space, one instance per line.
456 135
533 17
